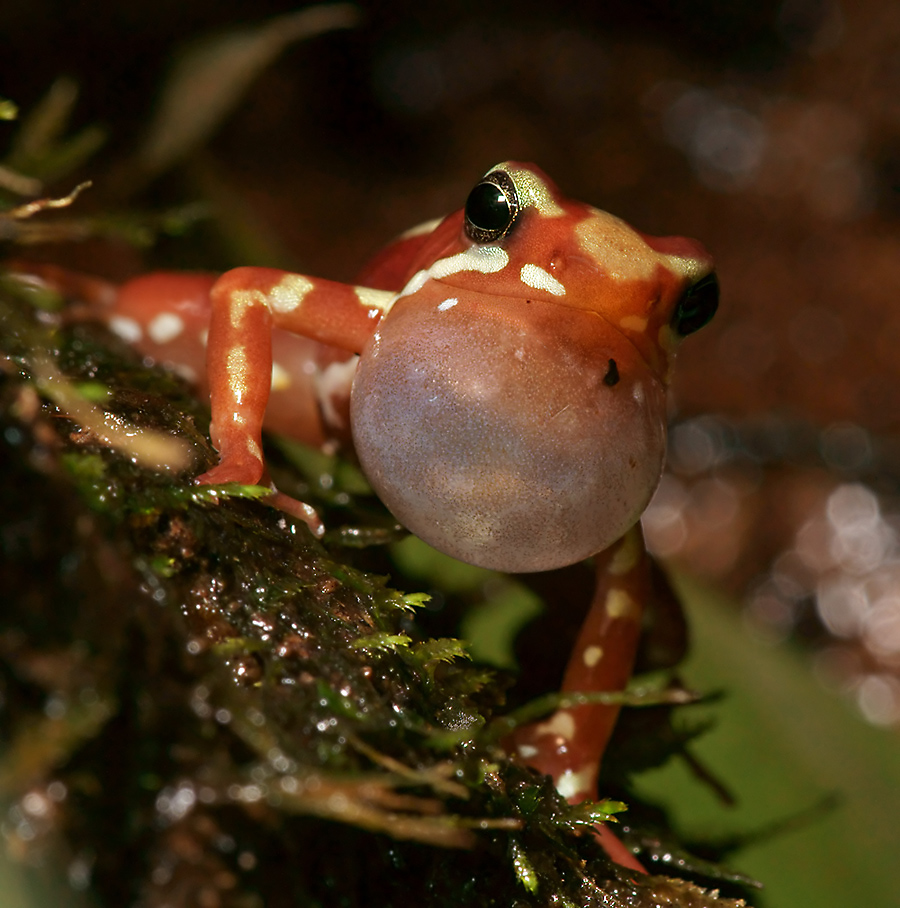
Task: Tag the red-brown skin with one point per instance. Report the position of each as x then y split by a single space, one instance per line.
486 377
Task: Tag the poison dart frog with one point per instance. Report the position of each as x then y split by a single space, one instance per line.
502 374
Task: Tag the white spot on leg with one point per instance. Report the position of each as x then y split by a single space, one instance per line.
576 784
236 365
241 302
332 383
289 292
127 328
281 378
527 751
254 450
627 555
186 372
536 277
165 327
375 300
561 724
620 605
592 655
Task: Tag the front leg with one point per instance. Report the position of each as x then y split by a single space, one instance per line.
570 744
247 303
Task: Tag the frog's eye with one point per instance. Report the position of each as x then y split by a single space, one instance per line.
697 306
491 208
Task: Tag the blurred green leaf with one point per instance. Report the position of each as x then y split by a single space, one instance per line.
40 147
210 79
492 626
783 745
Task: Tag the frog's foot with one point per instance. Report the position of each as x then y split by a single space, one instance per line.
550 747
250 473
616 851
569 745
246 471
299 509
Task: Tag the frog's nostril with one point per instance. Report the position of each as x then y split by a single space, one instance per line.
612 374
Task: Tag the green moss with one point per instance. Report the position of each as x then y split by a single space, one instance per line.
195 668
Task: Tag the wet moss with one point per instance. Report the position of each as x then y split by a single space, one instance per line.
219 709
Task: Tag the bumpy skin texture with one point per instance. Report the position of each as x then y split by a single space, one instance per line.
508 404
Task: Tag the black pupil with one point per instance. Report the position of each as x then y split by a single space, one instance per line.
697 306
488 208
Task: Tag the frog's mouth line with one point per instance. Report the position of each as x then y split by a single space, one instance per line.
561 304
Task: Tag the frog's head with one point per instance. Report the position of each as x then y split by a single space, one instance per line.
510 408
519 237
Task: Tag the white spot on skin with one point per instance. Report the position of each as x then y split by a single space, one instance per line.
575 784
532 191
592 655
536 277
289 293
377 301
667 338
448 304
416 283
611 243
482 259
633 323
241 302
625 255
204 336
253 449
561 725
527 751
165 327
420 229
620 605
127 328
332 382
627 555
236 366
281 378
186 372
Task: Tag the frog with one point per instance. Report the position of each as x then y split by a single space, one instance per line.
500 374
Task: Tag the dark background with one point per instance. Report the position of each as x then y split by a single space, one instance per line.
771 131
